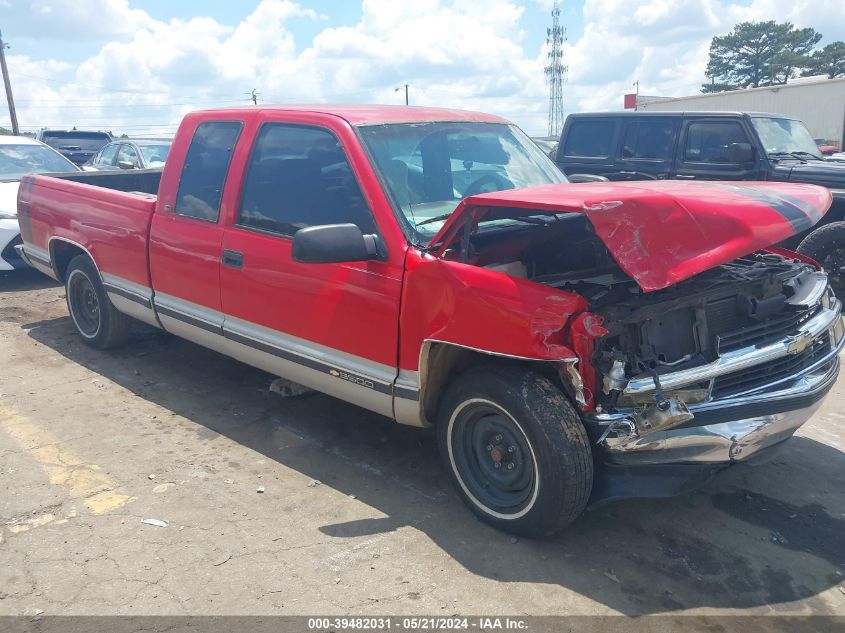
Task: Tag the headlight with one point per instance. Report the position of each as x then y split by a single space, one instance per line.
5 215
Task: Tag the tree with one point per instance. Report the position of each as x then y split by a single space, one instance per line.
829 61
758 54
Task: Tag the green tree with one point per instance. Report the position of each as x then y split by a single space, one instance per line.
758 54
829 61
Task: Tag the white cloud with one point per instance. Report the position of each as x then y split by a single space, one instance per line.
454 53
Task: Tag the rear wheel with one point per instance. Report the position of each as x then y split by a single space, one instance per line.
96 319
827 246
516 450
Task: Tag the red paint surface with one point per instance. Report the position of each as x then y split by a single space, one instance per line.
482 309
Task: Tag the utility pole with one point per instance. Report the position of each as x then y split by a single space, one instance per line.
406 92
254 96
556 71
12 114
636 94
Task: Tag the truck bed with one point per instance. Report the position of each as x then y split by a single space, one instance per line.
106 213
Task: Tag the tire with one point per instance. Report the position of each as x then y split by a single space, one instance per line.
96 320
510 415
827 246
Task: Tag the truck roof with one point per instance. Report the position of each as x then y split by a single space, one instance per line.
374 114
689 113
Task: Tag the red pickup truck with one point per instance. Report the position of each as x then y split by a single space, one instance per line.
569 342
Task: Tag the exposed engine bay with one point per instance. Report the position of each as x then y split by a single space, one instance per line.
749 301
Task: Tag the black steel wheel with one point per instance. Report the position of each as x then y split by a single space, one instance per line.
515 449
96 319
492 455
84 303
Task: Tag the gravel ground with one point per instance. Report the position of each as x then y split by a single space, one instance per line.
356 515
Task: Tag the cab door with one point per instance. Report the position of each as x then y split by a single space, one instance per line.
647 149
716 149
333 327
186 235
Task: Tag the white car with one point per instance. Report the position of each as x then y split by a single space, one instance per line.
20 155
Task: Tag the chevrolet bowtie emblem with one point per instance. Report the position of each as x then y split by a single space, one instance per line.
799 343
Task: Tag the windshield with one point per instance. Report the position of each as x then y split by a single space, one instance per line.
79 141
430 167
154 153
785 136
17 160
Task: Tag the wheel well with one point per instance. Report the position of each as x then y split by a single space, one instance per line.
61 253
444 361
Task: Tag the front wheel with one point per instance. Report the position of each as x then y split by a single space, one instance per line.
97 321
515 449
827 246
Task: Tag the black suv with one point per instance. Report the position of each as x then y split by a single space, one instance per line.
78 146
711 146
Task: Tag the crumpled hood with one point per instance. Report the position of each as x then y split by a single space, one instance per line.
660 232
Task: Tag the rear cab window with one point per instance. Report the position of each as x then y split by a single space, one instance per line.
205 169
590 138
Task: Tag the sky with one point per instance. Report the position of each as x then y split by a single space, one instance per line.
136 67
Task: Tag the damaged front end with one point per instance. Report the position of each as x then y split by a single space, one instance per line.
698 346
717 368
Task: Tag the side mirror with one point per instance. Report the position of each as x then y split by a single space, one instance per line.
587 178
740 153
333 244
126 164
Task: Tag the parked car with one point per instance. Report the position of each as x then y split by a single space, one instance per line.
78 146
569 342
130 154
548 145
20 155
826 148
712 146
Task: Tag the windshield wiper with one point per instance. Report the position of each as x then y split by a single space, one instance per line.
810 154
797 155
436 218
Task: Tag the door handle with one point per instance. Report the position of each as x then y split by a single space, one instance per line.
233 259
684 177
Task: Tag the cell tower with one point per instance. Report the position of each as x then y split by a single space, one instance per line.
556 71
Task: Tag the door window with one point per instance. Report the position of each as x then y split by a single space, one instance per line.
205 169
590 139
107 155
649 139
711 141
128 154
299 176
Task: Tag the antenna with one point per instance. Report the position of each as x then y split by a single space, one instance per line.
556 71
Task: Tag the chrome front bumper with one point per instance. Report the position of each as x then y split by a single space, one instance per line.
734 428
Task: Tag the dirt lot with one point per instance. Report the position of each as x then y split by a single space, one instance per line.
356 514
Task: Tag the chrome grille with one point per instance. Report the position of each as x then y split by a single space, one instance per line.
765 373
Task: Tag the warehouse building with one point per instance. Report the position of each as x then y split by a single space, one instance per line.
818 101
